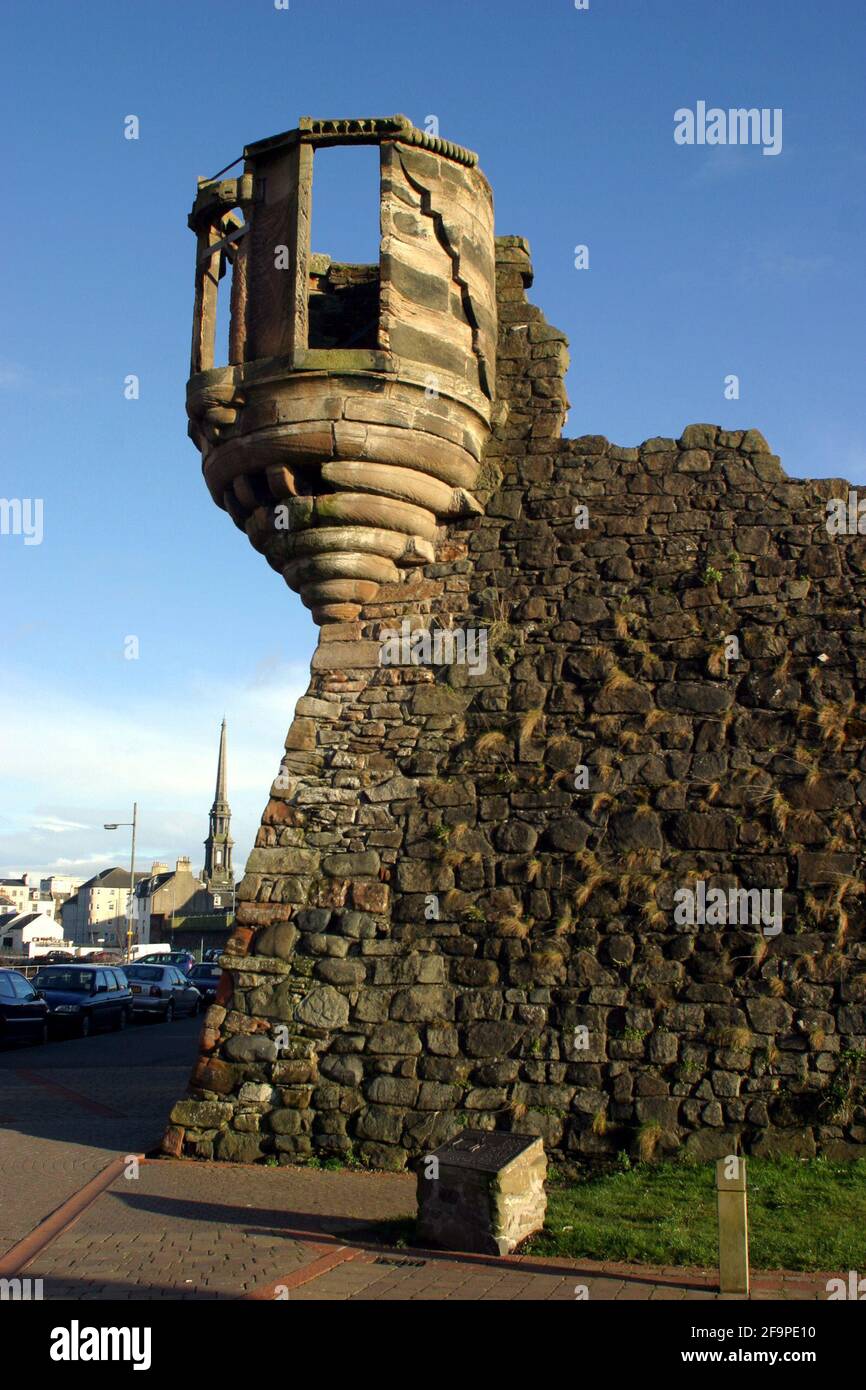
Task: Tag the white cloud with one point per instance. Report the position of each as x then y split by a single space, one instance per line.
56 825
71 764
86 862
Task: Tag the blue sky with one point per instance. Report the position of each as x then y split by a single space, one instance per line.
703 262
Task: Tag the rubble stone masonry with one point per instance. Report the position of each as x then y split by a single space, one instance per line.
460 908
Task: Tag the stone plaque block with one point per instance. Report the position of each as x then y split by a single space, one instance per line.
482 1192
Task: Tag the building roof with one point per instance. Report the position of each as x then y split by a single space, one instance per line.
24 919
14 921
112 878
149 885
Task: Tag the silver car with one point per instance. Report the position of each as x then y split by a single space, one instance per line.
162 990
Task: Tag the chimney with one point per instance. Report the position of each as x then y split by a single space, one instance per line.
157 867
184 865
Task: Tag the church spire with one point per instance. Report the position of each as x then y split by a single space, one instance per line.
218 873
221 794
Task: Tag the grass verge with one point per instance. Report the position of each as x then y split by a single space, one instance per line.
803 1214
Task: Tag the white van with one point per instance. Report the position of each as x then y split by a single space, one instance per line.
158 948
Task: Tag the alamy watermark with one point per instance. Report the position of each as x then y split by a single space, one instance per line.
22 516
846 516
720 907
21 1290
736 126
77 1343
854 1289
436 646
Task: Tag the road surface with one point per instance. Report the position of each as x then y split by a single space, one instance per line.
70 1107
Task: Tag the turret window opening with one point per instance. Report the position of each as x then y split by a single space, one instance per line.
344 245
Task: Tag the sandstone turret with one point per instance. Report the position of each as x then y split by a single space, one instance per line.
349 421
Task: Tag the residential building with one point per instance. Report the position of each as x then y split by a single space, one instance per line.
18 890
26 895
21 932
163 895
59 888
97 913
59 885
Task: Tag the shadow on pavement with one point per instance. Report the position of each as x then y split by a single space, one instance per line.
112 1090
372 1234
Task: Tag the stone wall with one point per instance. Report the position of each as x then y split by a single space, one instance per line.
558 990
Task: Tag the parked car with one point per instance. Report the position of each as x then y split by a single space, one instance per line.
213 953
162 990
206 977
23 1014
83 998
184 960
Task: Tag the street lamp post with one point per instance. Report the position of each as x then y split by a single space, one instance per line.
118 825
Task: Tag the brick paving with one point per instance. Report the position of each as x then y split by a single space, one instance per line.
68 1108
212 1230
194 1231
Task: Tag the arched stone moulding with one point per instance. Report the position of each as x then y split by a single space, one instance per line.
340 460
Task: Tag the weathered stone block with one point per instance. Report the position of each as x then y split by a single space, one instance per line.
285 1121
251 1048
422 1004
393 1090
212 1074
324 1007
482 1192
380 1123
256 1093
394 1038
363 865
492 1039
769 1015
204 1114
239 1148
